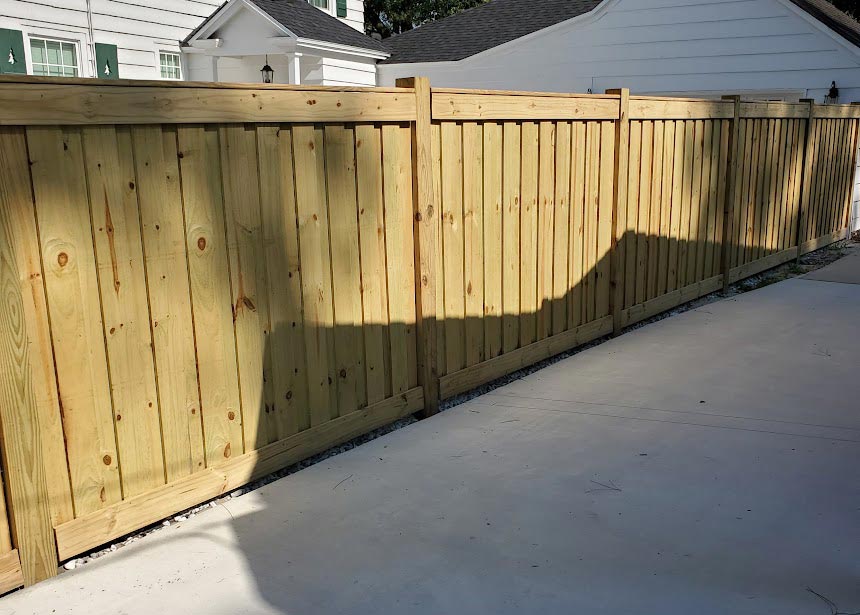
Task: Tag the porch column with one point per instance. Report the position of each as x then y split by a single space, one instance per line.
295 68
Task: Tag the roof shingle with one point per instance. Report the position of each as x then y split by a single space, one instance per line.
500 21
483 27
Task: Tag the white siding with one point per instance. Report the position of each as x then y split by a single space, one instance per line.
661 46
138 29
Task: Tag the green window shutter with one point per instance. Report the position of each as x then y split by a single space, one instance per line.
106 62
12 60
341 8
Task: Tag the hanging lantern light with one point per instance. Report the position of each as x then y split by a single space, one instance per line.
832 97
267 72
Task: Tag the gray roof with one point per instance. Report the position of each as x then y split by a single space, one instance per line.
481 28
306 21
838 21
500 21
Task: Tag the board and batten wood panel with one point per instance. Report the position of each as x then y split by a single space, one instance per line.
211 300
72 285
166 262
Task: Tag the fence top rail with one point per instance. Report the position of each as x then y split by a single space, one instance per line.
211 85
479 105
32 101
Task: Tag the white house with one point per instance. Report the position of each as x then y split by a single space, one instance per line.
772 49
308 41
300 43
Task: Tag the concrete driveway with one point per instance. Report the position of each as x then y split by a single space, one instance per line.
706 463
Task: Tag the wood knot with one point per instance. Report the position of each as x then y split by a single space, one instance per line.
62 259
201 243
231 415
418 216
227 451
312 102
289 395
343 373
106 460
131 185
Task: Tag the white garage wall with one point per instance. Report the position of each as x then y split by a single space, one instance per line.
662 46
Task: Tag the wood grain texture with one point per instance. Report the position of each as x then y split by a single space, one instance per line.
73 104
72 288
211 299
92 530
18 214
166 264
22 455
115 217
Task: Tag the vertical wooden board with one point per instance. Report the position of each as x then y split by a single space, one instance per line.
74 307
604 217
30 429
288 411
767 213
493 253
686 196
400 255
677 192
761 202
710 161
511 237
374 282
345 268
453 247
315 258
561 230
781 180
695 201
665 206
436 157
826 179
22 248
248 279
644 215
704 201
529 233
719 181
634 171
163 230
576 275
590 227
211 300
473 240
654 222
746 134
752 194
796 166
545 226
125 306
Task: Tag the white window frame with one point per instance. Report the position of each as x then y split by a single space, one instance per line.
327 8
84 61
176 53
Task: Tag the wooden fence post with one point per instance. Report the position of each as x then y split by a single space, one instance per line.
426 232
806 184
731 193
619 208
25 481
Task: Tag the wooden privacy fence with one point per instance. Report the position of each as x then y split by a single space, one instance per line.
203 283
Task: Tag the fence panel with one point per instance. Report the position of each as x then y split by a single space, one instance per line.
205 283
526 219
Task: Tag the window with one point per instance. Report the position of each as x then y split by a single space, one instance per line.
170 66
54 58
320 4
